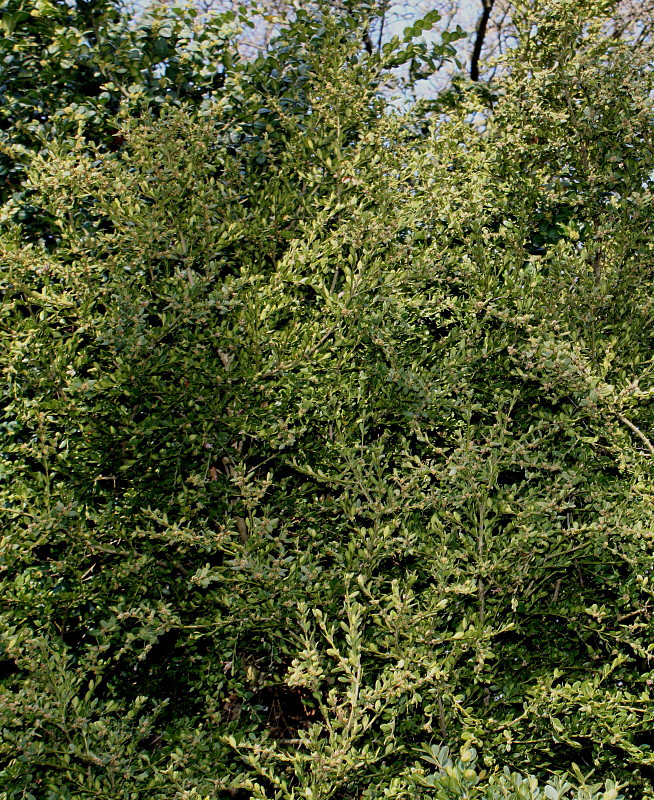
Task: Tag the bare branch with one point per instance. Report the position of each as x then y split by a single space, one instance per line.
482 26
637 431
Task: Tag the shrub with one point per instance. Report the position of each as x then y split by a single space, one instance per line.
327 438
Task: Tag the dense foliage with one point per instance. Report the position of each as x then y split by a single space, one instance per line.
67 70
327 428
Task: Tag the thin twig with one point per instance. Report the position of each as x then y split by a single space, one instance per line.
637 431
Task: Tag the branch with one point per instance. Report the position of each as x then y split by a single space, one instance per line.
487 7
384 9
637 431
